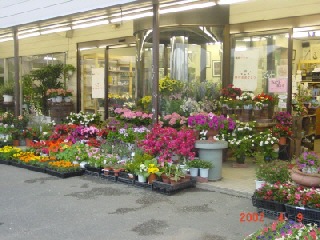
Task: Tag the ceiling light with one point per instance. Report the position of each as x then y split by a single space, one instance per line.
61 29
129 12
49 58
34 34
221 2
175 3
28 31
86 48
186 8
86 25
6 39
300 34
147 14
89 19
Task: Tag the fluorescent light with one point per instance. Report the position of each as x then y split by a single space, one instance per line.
204 29
176 3
49 58
241 49
300 34
89 19
34 34
86 25
119 46
61 29
129 12
221 2
87 48
132 17
6 39
28 31
186 8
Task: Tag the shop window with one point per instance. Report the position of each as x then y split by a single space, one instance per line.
260 64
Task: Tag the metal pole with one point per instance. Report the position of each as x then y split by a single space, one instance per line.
106 83
155 64
17 109
290 47
79 77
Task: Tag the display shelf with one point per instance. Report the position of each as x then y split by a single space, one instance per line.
304 132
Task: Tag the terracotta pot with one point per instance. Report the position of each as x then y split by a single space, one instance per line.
28 142
305 179
165 178
211 133
152 177
116 172
282 140
15 143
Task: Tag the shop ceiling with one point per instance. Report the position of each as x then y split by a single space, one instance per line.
38 17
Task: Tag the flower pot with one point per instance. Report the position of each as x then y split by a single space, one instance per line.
15 143
194 172
152 177
28 142
305 179
204 172
67 99
7 98
59 99
259 183
282 140
142 179
211 134
240 159
165 178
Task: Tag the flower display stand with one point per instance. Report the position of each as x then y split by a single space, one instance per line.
127 178
212 151
170 189
270 209
304 215
64 174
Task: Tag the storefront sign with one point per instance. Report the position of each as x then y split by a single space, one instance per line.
246 69
97 82
277 85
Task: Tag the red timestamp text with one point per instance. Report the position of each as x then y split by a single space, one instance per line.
251 217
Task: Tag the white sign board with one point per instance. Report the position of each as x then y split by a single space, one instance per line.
97 82
246 69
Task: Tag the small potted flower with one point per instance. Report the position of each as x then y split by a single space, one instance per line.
282 132
67 95
267 144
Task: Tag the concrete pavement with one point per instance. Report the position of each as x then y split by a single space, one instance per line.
38 206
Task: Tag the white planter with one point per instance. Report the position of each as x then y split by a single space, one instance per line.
7 98
142 178
58 98
53 99
83 164
259 184
67 99
204 172
194 172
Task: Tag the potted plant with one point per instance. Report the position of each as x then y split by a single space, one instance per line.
266 143
242 141
204 168
307 171
7 91
194 166
210 124
272 172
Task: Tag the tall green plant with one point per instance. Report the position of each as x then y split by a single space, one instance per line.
44 79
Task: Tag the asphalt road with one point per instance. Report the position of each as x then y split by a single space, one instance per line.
38 206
